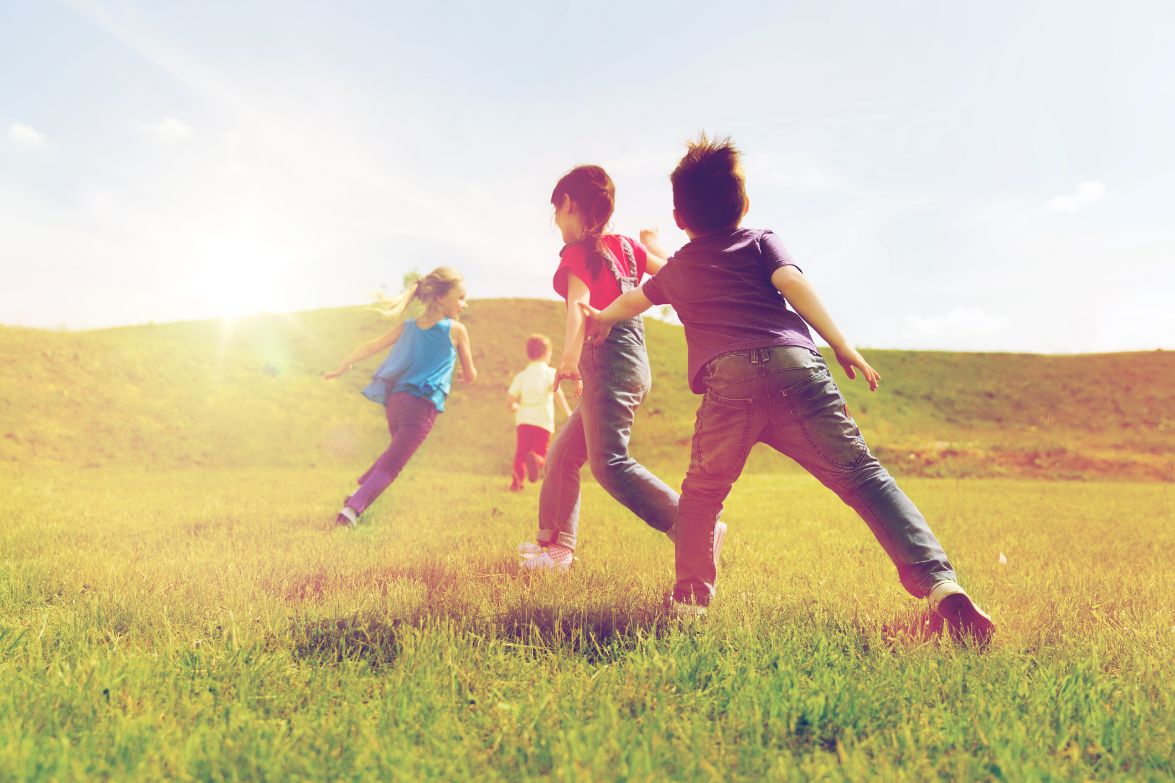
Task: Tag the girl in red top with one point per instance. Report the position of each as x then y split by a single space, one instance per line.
612 377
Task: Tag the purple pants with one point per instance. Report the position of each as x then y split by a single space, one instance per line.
410 419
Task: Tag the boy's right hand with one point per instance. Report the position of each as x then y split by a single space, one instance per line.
848 357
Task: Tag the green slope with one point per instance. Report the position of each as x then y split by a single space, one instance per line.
247 393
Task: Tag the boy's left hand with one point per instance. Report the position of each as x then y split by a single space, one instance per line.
595 330
849 358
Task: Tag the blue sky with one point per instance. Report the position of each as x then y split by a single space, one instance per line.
992 176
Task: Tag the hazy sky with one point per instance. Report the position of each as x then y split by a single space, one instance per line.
992 175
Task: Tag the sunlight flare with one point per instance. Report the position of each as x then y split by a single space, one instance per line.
238 273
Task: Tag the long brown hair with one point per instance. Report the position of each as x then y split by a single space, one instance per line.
594 196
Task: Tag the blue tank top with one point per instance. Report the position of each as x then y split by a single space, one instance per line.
420 363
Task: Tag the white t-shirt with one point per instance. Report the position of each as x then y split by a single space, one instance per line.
535 389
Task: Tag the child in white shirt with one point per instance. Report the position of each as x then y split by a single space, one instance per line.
531 396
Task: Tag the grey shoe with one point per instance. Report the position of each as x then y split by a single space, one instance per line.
965 620
347 517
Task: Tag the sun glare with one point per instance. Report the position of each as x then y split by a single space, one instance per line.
239 274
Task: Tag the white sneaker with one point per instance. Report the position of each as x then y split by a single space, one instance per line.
544 562
685 612
529 550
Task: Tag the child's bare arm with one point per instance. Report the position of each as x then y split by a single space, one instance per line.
630 304
578 296
796 289
561 398
513 401
460 336
368 349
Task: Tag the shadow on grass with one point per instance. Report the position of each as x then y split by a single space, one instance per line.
600 633
359 637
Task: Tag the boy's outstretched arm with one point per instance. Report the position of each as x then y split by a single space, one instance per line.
599 322
796 289
368 349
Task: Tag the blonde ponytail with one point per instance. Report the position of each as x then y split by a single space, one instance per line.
432 286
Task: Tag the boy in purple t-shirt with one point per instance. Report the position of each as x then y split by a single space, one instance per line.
754 360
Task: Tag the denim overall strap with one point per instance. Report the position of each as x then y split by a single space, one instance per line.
627 282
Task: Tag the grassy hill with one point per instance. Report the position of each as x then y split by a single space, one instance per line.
176 602
247 393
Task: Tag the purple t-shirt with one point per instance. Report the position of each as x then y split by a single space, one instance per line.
720 286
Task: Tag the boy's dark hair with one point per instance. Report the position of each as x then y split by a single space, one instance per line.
708 186
537 346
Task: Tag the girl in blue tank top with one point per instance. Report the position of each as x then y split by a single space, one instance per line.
414 379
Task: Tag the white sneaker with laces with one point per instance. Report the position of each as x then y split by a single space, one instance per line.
545 562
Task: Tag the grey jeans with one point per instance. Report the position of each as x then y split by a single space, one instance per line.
786 397
616 379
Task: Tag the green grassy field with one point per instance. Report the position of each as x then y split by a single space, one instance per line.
176 604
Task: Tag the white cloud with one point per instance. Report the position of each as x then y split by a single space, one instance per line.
959 322
1087 194
169 129
26 135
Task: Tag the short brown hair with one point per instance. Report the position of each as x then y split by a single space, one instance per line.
709 191
537 346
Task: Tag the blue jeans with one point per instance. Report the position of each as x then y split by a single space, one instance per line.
786 397
616 379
